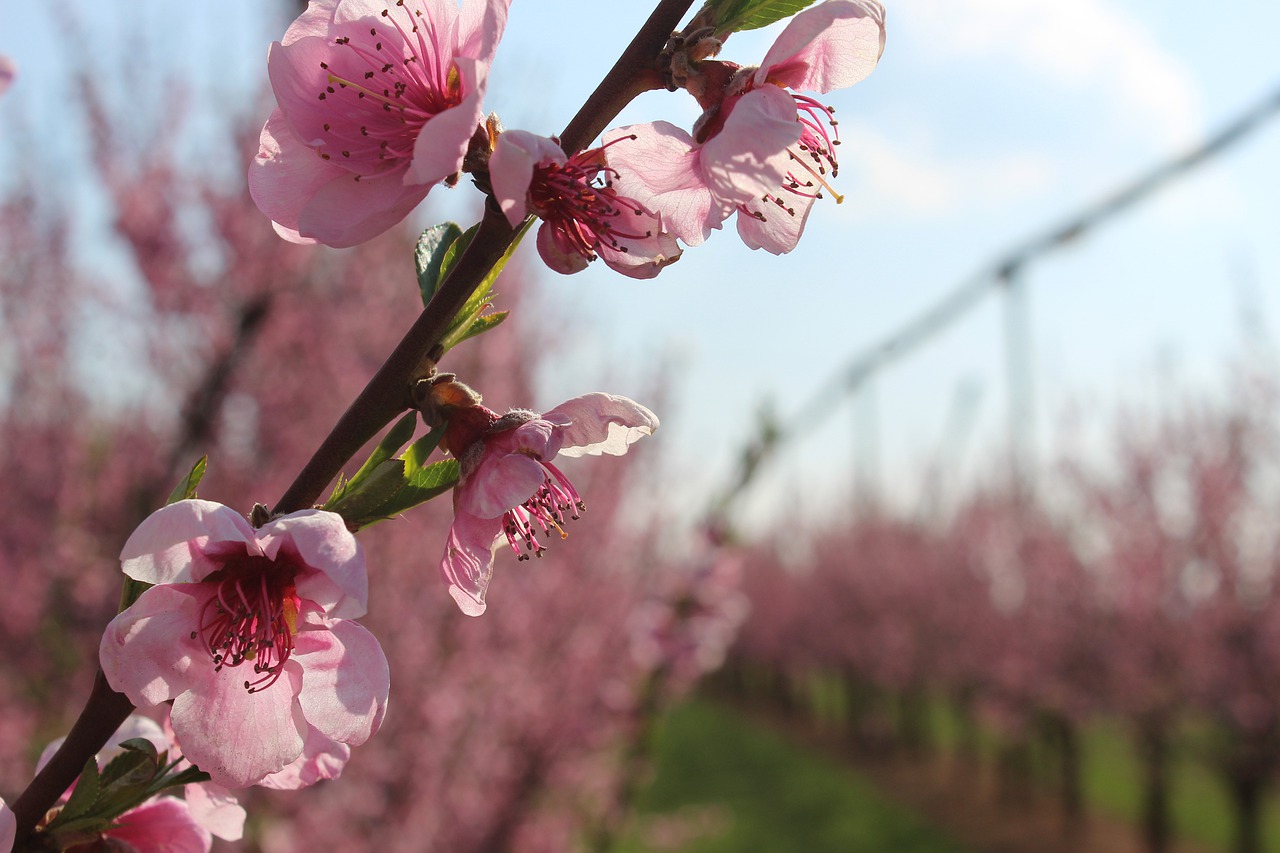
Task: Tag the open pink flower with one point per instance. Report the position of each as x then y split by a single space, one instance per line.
583 216
762 151
249 633
376 103
509 488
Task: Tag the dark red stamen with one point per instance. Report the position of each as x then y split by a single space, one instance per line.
251 617
578 201
555 503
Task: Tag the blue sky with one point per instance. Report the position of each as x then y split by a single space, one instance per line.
986 121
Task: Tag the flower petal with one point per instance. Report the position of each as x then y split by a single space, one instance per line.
147 651
161 825
660 169
238 737
828 46
554 256
602 423
443 140
511 169
285 174
467 566
480 27
779 230
216 809
345 681
748 158
8 827
322 758
174 543
501 482
321 540
349 210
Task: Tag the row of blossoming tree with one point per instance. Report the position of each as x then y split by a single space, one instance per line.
1145 589
236 629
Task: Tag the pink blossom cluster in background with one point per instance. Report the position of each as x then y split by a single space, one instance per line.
1143 590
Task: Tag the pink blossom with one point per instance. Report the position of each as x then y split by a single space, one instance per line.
277 601
376 104
7 72
510 488
582 214
761 150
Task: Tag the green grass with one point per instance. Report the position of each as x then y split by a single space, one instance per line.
728 785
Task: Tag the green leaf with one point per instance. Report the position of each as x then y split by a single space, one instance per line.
393 441
362 506
136 764
483 324
735 16
460 329
429 256
429 481
85 794
186 489
415 456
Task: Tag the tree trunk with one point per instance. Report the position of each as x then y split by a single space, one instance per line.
1246 796
1153 749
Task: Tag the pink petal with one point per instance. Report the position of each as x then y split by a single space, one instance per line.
8 827
321 540
467 566
285 174
443 140
322 758
829 46
559 260
216 809
314 21
480 27
235 736
511 169
501 482
174 543
602 423
660 169
645 257
345 211
748 158
345 681
147 652
780 231
161 825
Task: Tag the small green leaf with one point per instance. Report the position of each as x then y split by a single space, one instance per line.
482 324
429 256
85 793
361 506
480 297
186 488
735 16
393 441
134 765
429 481
415 455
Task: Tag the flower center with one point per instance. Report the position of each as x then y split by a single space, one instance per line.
576 198
383 88
555 503
252 616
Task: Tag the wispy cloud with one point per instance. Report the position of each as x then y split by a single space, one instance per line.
1081 45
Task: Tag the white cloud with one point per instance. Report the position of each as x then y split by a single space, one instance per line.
913 180
1080 45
